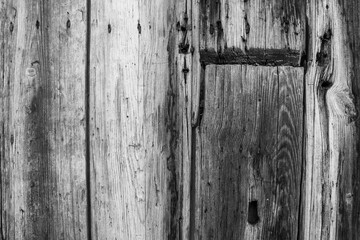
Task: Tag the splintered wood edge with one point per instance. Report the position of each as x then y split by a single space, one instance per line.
261 57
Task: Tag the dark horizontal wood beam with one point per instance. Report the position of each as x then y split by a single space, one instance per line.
262 57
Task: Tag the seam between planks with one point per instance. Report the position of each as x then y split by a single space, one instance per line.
87 118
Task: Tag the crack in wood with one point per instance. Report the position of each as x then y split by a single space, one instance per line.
87 120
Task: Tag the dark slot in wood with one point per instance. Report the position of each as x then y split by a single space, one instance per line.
261 57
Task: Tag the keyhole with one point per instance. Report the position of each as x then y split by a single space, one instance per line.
253 216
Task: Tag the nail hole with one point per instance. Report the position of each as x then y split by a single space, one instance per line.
253 216
109 28
211 29
326 84
68 23
139 27
37 24
11 27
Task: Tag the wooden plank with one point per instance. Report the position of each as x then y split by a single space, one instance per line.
43 181
139 150
331 209
247 26
249 153
256 32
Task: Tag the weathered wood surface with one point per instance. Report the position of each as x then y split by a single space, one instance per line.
332 206
249 153
248 26
256 32
43 183
137 110
130 126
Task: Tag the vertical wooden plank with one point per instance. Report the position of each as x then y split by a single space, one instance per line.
249 153
138 87
332 145
7 36
43 193
116 121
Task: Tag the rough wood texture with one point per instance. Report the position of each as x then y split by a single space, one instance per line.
249 153
251 25
256 32
43 184
331 209
137 97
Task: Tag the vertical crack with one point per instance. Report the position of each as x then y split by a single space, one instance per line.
87 119
303 156
193 158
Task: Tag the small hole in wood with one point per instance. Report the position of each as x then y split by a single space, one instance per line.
11 27
326 84
253 216
68 23
109 28
37 24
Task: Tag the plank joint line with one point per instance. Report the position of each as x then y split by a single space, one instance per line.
87 117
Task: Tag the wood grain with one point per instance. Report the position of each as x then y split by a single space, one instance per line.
247 25
331 209
138 129
249 153
43 183
257 32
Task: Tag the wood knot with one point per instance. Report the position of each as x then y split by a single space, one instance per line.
183 47
30 72
323 56
326 84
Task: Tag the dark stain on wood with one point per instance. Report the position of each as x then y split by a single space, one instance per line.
37 145
323 57
247 25
109 28
171 140
184 45
68 24
11 27
139 27
253 216
210 18
252 57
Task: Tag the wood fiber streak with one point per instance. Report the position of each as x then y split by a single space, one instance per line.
249 153
331 207
256 32
257 24
43 185
138 85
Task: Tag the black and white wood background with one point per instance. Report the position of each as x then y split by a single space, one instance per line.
179 119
